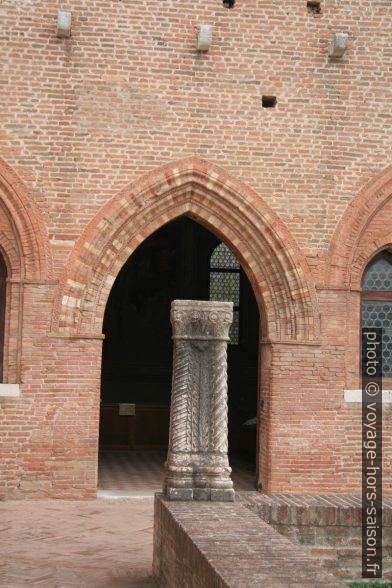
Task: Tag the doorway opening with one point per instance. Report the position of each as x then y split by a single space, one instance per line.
181 260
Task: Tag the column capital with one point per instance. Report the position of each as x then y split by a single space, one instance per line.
201 320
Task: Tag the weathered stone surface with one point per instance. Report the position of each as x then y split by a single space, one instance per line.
338 45
204 38
197 464
64 21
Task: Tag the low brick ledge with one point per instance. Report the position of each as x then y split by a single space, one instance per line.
335 500
325 510
225 545
327 527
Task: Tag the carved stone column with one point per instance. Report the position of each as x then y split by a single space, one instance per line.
197 466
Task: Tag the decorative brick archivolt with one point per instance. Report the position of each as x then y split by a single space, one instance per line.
25 244
25 249
352 245
274 265
365 252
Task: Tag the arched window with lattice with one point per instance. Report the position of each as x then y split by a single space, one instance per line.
377 304
225 284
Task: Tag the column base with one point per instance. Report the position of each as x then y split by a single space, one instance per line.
201 494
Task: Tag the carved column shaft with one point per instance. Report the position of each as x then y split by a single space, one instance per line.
197 466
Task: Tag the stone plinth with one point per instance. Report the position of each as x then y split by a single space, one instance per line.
197 466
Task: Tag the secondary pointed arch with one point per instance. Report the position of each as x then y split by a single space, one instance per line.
358 237
24 239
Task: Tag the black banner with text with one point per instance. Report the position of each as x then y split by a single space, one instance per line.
372 453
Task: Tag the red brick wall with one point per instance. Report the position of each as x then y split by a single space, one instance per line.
301 192
328 528
50 433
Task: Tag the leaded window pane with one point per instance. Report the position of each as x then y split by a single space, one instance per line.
378 276
222 257
378 313
225 286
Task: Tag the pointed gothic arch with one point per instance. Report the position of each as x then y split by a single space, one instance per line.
24 249
351 248
196 188
24 241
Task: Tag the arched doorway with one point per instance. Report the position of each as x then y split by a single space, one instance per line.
273 262
181 260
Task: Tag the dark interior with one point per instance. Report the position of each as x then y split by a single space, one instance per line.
173 263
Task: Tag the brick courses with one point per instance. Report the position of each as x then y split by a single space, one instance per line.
327 527
203 544
109 134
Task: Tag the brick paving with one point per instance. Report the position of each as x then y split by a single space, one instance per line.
81 544
95 543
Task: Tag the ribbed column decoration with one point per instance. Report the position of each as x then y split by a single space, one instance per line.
197 466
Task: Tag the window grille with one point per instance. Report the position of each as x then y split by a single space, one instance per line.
377 304
225 282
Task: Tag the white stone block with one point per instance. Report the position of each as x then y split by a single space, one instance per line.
9 390
356 396
204 38
64 20
338 45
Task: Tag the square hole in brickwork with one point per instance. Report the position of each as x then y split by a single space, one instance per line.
228 3
268 101
314 6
